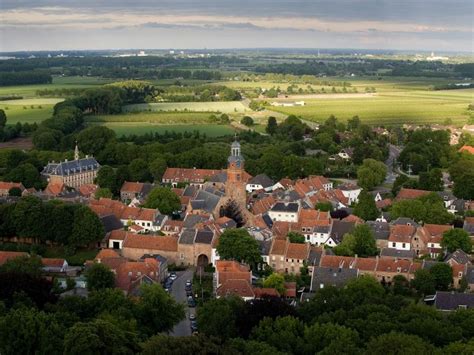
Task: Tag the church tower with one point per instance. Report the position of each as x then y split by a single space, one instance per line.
235 185
76 152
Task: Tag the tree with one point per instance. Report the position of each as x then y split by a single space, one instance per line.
14 191
276 281
284 333
157 168
443 276
398 344
3 118
424 282
371 174
247 121
98 337
296 237
360 242
156 310
218 317
456 238
428 209
29 331
103 192
330 339
366 208
99 277
93 139
87 228
462 174
323 206
106 178
25 173
138 170
431 181
161 344
364 241
272 126
164 199
30 265
237 244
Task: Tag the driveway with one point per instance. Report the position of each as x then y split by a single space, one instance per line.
178 292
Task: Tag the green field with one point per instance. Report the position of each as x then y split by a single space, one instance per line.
223 107
73 82
140 128
173 118
417 107
21 113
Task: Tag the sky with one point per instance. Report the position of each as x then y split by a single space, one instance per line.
432 25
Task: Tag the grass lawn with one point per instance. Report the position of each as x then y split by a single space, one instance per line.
24 113
418 107
140 128
224 107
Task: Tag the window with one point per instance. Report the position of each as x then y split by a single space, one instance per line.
273 257
403 245
394 245
182 256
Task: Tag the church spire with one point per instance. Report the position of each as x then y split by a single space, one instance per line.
76 152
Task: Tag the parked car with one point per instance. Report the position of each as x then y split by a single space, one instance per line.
194 326
192 316
189 293
191 302
173 276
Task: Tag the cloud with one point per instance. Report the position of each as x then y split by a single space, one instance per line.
356 20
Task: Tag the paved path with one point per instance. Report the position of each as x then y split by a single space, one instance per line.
178 292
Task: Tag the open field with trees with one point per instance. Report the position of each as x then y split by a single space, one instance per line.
223 107
140 128
416 107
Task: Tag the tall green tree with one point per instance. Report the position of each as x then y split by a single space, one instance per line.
156 310
276 281
398 344
424 282
99 277
3 118
87 228
443 276
219 317
164 199
366 208
272 125
371 173
237 244
456 238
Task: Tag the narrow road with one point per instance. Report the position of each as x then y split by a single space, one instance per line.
178 292
394 152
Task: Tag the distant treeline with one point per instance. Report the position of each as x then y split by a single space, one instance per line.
371 67
25 78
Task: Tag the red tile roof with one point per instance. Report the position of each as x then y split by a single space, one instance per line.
411 194
384 203
189 175
401 233
240 288
279 247
54 188
106 254
297 251
133 187
163 243
52 262
261 292
436 229
263 205
87 189
8 255
467 148
8 185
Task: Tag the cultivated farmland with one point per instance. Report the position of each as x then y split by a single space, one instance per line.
223 107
